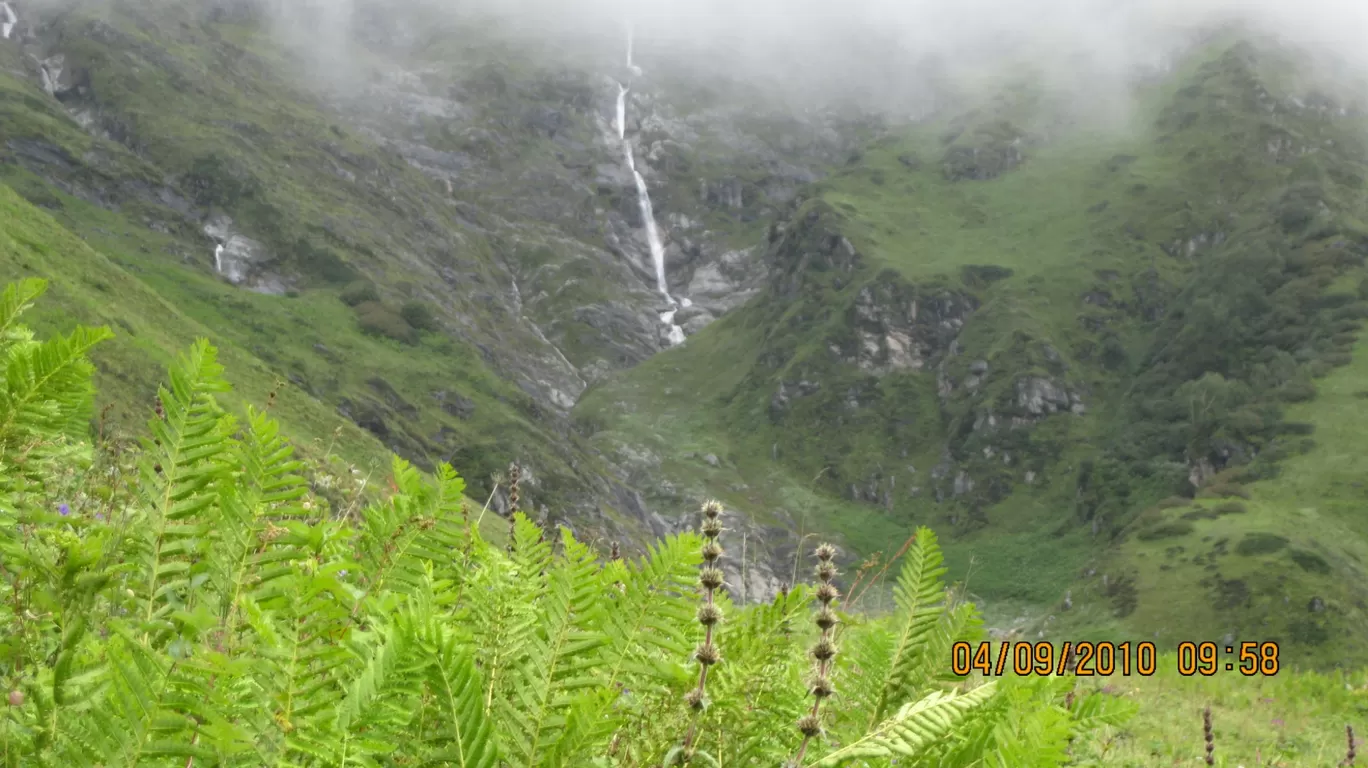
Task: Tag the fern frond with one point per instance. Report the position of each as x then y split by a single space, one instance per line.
560 656
501 622
759 692
181 464
265 484
919 593
652 611
466 738
15 300
912 728
1025 728
48 386
152 711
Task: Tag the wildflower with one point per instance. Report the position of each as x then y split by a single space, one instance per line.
823 651
711 579
63 509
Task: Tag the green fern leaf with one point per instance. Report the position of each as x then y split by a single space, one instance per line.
560 658
467 739
919 593
912 728
17 299
181 465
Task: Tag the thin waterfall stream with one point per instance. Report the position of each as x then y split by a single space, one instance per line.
653 241
8 20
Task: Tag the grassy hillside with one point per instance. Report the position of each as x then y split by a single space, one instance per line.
1051 337
384 305
89 288
448 249
1291 720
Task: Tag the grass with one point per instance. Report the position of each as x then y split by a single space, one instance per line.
32 244
1313 504
1292 719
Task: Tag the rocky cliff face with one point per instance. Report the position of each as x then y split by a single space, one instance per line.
477 181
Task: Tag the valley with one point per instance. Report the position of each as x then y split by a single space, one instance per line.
1114 363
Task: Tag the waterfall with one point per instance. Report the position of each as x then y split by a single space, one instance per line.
652 233
10 19
676 334
218 259
631 67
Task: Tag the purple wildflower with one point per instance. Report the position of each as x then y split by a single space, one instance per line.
63 509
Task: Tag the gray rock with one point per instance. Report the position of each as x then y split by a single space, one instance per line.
898 329
696 323
708 280
1041 397
963 483
685 314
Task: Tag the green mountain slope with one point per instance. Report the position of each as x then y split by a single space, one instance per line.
433 239
1115 365
1048 338
187 128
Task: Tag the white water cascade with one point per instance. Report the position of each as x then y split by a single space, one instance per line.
8 20
676 334
218 259
652 232
631 67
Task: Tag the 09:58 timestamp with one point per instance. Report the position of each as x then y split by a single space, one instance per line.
1205 659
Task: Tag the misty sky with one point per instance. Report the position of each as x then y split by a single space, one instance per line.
881 49
876 43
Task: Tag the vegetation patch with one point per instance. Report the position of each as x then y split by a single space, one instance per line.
377 319
1309 561
1166 530
1260 544
1223 491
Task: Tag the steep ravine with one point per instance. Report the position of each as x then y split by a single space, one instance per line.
488 200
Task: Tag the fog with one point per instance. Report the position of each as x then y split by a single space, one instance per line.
883 54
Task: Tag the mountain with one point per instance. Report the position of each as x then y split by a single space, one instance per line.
1113 359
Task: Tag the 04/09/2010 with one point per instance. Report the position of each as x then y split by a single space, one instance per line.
1084 659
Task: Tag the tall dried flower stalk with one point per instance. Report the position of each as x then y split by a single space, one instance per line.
823 651
1207 735
1349 736
709 616
514 476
